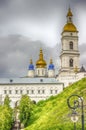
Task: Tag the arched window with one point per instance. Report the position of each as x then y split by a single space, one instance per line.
70 19
71 45
71 62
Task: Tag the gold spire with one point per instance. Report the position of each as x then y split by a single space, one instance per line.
69 12
41 54
41 63
69 26
51 61
31 62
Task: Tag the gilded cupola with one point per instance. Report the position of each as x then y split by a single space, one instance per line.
69 26
41 63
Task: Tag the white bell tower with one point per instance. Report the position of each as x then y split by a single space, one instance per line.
70 53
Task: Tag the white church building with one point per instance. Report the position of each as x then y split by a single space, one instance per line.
41 83
70 70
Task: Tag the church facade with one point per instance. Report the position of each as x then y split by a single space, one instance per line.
41 83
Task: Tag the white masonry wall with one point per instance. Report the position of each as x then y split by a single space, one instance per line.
35 91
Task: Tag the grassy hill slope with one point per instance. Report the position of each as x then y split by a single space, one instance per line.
53 114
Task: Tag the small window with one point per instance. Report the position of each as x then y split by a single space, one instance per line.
32 91
71 34
42 72
5 91
41 80
71 45
16 91
21 91
51 91
39 91
27 91
70 19
43 91
11 80
38 72
10 92
71 62
56 91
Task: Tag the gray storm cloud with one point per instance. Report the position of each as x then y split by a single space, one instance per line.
27 25
16 51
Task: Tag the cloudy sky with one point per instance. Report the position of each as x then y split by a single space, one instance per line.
28 25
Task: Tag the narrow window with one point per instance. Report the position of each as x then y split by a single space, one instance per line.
21 91
32 91
38 72
41 80
27 91
51 91
38 91
42 72
71 62
70 19
71 34
43 91
16 91
10 92
5 91
56 91
71 45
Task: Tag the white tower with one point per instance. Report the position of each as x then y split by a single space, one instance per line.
51 70
41 66
70 53
31 72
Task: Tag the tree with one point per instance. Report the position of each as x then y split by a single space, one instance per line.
25 107
7 101
6 115
6 118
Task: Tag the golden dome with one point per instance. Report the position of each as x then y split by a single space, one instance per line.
41 63
70 27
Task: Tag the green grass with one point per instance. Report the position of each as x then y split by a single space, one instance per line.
53 114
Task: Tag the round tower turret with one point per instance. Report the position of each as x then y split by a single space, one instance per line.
31 72
51 70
